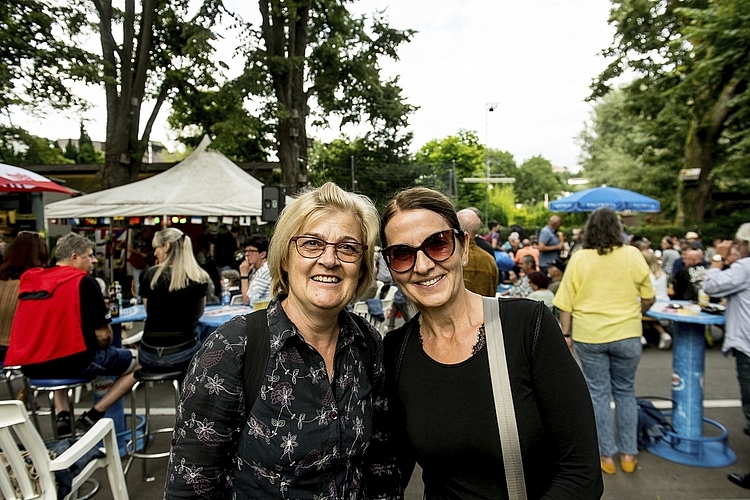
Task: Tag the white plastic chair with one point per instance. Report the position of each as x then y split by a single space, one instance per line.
15 428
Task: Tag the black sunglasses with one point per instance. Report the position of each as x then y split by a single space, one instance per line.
437 247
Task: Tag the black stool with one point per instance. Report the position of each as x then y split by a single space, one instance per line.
147 379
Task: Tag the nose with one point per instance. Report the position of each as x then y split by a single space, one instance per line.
328 258
423 263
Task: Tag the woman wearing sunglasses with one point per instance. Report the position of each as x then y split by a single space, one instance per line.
317 426
439 384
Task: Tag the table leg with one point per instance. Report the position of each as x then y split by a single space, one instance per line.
686 444
689 363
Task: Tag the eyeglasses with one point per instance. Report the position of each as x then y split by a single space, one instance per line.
252 251
437 247
310 247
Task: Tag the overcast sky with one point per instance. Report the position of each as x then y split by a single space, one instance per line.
536 58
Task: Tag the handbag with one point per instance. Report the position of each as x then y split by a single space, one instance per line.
504 409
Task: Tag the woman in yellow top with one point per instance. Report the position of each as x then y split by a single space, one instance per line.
600 291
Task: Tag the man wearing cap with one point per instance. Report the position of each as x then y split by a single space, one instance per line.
551 242
480 273
734 284
555 271
694 240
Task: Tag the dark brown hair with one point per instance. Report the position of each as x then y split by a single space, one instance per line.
603 231
26 251
420 198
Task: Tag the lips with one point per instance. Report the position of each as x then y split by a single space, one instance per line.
326 279
430 281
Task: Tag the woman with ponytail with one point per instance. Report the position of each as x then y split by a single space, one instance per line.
174 295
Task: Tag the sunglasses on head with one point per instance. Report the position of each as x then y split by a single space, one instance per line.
437 247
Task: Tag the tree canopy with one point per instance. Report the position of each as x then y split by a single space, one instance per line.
691 60
313 60
148 50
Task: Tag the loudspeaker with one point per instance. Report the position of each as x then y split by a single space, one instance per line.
273 203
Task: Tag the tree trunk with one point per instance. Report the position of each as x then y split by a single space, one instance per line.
124 150
701 150
285 33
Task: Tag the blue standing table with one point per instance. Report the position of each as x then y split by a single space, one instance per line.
686 444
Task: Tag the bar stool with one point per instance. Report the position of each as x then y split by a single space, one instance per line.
51 385
148 379
9 374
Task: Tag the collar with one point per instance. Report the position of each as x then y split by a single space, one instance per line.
283 331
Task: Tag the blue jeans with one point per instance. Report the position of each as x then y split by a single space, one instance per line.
177 361
743 376
111 361
609 370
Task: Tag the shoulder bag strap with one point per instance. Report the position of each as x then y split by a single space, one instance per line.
506 415
257 350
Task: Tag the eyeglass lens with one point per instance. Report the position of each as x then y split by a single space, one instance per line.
312 248
438 247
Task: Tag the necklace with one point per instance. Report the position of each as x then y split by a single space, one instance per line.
478 345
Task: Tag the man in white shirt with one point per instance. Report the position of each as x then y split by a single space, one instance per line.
734 284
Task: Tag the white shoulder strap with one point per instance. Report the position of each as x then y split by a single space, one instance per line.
504 409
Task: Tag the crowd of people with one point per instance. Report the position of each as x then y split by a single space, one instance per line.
341 412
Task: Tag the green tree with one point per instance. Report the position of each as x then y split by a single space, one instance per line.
33 57
316 59
692 59
534 179
18 147
448 161
85 152
362 166
149 50
222 115
621 148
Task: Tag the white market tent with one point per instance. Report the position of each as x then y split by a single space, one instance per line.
205 183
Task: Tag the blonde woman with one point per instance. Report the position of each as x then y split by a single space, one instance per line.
318 425
174 295
659 282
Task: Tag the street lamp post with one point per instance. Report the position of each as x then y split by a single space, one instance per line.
489 107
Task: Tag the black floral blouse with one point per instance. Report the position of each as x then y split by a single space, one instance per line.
305 438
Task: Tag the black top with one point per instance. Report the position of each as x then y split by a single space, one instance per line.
94 315
448 424
171 315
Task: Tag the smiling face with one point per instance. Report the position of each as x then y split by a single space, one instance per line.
325 282
428 284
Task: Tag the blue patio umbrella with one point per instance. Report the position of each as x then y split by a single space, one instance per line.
621 200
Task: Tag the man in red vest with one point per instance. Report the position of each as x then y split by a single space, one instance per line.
61 330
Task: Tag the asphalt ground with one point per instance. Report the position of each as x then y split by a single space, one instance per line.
655 478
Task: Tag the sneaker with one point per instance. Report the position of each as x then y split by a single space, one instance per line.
84 423
665 341
62 424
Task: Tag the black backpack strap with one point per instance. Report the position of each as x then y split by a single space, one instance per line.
257 350
371 347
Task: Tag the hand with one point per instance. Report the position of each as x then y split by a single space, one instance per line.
724 248
244 268
569 341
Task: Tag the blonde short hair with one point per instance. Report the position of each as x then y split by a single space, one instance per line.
328 199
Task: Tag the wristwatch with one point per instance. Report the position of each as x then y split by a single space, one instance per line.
717 258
